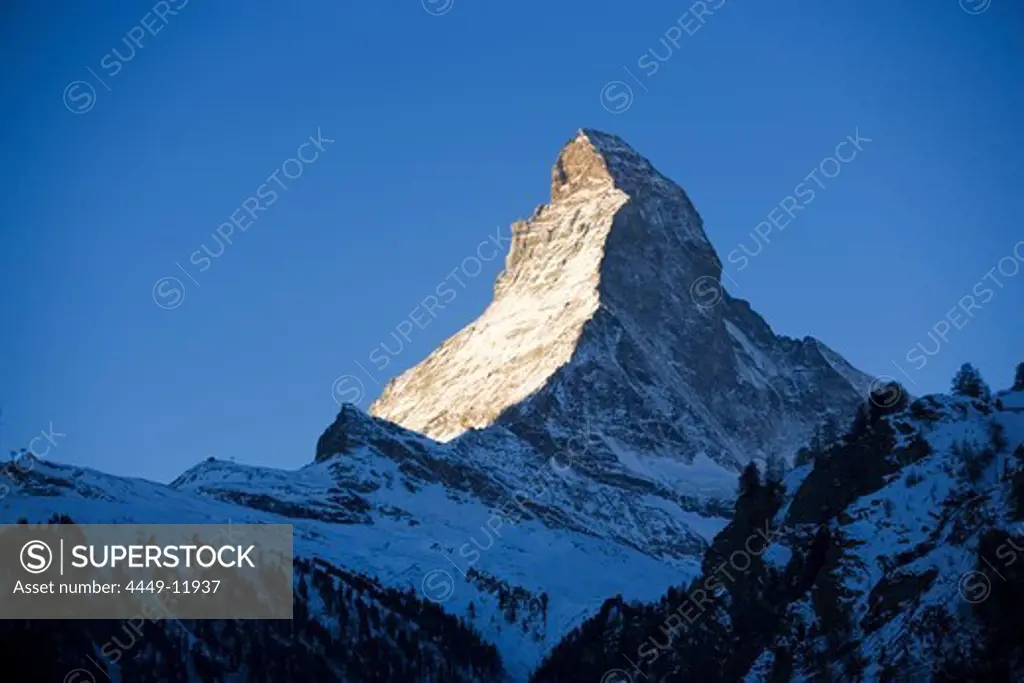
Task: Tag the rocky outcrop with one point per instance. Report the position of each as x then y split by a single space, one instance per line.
611 312
895 557
586 430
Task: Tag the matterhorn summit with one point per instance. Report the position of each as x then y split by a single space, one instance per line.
595 321
580 439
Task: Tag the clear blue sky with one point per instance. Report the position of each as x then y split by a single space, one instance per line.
446 128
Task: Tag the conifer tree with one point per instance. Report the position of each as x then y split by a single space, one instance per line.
968 382
750 480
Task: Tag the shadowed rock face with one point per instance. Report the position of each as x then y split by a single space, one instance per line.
594 355
590 423
596 320
893 557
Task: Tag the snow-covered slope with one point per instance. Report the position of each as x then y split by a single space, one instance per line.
584 432
345 628
895 557
403 538
910 563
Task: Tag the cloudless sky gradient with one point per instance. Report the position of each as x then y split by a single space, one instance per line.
445 129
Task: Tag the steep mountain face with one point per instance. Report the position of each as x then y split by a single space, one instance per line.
585 432
611 312
894 557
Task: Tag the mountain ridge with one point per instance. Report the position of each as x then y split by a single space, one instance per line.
597 413
613 266
890 557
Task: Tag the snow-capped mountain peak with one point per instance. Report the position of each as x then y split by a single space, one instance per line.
593 158
598 302
597 412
